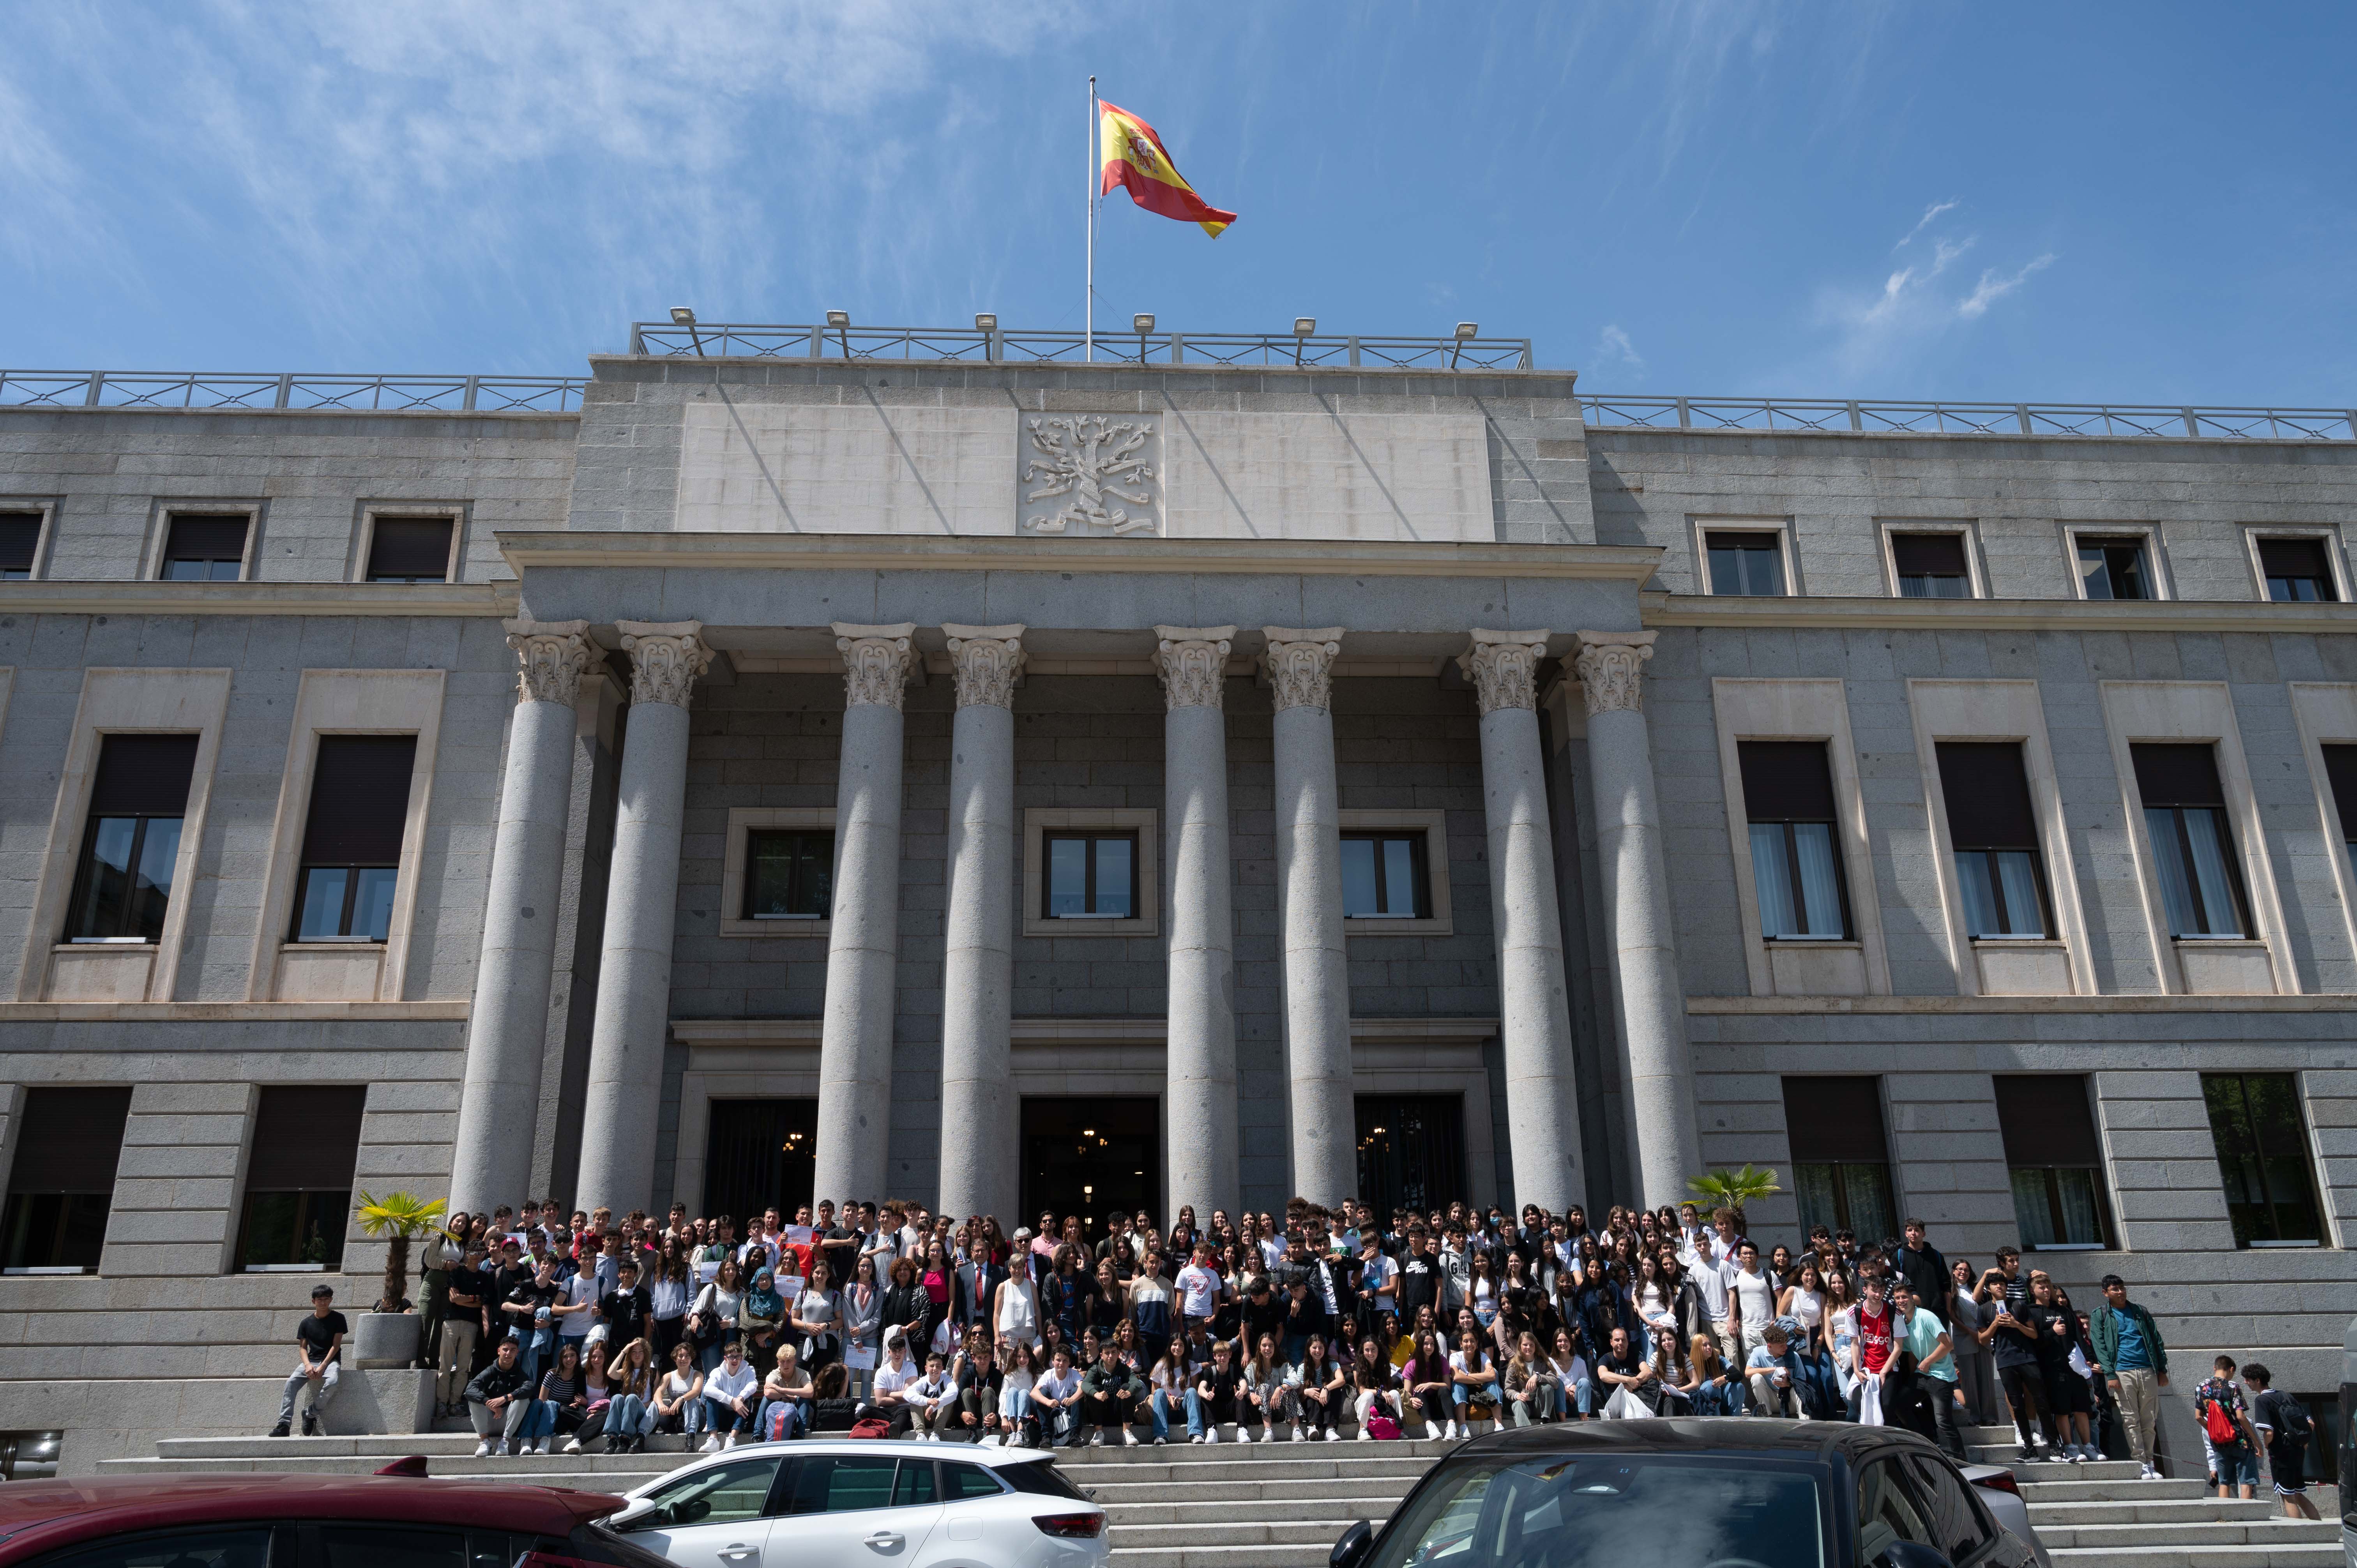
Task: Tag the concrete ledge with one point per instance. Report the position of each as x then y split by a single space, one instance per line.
228 1012
50 597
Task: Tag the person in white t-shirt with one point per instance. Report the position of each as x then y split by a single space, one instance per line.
731 1398
894 1373
1751 1301
1056 1400
1199 1287
931 1401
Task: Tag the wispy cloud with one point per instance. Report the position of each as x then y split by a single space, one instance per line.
1612 345
1931 214
1913 307
1994 287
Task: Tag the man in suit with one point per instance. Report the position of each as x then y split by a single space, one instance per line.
977 1287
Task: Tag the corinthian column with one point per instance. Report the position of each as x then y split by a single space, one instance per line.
628 1031
509 1022
1300 665
855 1061
1201 1057
1542 1111
980 1132
1646 988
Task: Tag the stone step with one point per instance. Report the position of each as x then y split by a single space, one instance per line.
2203 1534
1223 1466
1420 1452
2057 1469
2287 1555
1364 1492
1318 1533
2076 1489
2135 1509
1306 1555
1152 1511
590 1472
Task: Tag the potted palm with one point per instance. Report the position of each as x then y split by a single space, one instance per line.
1733 1189
389 1337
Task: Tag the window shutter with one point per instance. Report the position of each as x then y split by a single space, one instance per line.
2293 558
206 539
359 799
1987 793
20 533
1928 554
142 775
2045 1119
2178 775
1786 780
410 547
1836 1120
2340 771
306 1140
72 1140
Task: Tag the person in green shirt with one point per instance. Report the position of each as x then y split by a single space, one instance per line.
1935 1362
2134 1364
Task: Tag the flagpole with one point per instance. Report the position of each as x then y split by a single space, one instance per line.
1089 314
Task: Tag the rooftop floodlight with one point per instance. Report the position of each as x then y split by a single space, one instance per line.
681 315
1466 332
1303 327
841 321
984 321
1142 321
838 319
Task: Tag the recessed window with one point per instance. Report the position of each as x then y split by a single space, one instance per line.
2297 571
20 535
2056 1163
410 550
2115 568
1841 1162
1384 877
2192 845
1930 566
1994 834
1089 876
2262 1139
789 874
2340 771
62 1182
131 849
351 839
199 549
298 1178
1743 563
1788 797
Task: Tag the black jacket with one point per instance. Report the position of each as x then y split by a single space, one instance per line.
495 1380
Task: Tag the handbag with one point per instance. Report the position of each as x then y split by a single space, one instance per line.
871 1427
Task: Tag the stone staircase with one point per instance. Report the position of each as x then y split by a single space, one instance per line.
1282 1505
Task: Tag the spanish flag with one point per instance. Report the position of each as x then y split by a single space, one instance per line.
1135 157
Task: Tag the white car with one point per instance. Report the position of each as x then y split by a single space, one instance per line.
841 1504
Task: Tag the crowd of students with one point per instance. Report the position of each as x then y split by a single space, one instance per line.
1315 1324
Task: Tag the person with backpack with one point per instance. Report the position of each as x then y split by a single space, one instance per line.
2283 1424
2226 1427
2134 1364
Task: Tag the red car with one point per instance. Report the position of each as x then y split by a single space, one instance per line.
307 1522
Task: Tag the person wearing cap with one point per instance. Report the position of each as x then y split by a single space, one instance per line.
319 1348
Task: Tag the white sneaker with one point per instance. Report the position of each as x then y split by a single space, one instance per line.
1332 1435
730 1443
1211 1434
502 1450
1128 1438
2149 1474
1300 1432
1096 1438
1196 1437
1452 1431
711 1444
1160 1440
483 1449
1365 1436
574 1447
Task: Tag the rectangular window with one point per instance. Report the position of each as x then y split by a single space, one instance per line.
2115 569
131 849
2057 1163
1090 876
410 550
789 874
1930 566
2340 771
298 1179
1788 797
1384 877
1994 833
204 549
62 1183
2192 845
1746 562
2255 1119
20 535
351 839
1841 1163
2297 571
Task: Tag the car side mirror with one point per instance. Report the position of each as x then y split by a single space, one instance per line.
1911 1554
1351 1549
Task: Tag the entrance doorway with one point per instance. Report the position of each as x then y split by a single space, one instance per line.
757 1153
1089 1157
1410 1151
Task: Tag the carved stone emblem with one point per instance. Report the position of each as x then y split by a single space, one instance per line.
1611 665
1503 667
876 662
666 658
1193 663
554 655
1091 473
1300 665
986 660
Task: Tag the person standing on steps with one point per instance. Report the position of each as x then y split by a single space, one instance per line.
2134 1364
319 1342
2282 1425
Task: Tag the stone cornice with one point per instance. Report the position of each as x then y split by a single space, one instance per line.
1701 1006
54 597
228 1012
1863 614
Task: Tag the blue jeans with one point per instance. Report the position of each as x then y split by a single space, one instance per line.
1583 1396
539 1421
1465 1394
1157 1409
625 1417
718 1417
1197 1415
538 1347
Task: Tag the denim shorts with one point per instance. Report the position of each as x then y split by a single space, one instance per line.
2237 1466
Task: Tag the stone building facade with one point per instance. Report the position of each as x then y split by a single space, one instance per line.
1020 786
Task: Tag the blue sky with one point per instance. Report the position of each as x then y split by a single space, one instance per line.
2141 203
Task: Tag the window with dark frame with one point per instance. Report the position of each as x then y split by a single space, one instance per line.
2047 1124
1796 870
1088 877
204 549
2193 843
1993 831
2115 568
351 838
1384 876
788 873
410 550
1841 1161
1930 566
61 1182
2340 773
2297 571
1744 563
20 537
298 1176
2263 1157
131 849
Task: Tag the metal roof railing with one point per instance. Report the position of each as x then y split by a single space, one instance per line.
382 394
2184 423
725 341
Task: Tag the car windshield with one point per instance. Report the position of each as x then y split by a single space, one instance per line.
1609 1510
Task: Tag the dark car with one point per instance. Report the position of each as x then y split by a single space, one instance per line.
307 1522
1692 1494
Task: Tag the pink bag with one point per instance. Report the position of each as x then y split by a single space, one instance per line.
1382 1429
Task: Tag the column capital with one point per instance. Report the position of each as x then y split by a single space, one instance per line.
555 654
1503 667
1193 663
1612 667
1300 665
986 660
666 656
875 663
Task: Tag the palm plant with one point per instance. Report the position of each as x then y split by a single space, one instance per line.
399 1216
1733 1189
